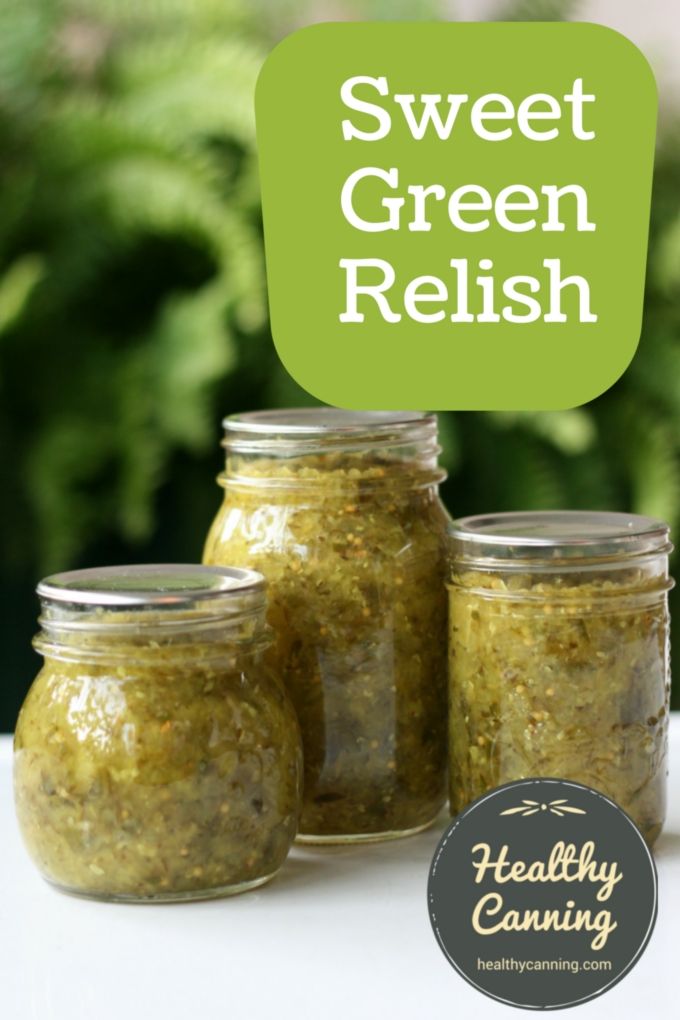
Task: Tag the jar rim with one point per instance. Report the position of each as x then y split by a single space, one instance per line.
555 534
304 431
298 421
168 603
155 585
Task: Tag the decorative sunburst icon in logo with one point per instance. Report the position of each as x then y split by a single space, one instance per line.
555 807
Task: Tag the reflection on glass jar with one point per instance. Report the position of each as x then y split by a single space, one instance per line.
340 511
559 655
156 758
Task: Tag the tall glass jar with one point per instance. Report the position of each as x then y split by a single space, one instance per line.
559 655
156 758
340 511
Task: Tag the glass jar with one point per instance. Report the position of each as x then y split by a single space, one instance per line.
340 511
155 756
559 655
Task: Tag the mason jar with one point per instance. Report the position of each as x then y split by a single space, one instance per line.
340 511
559 655
155 757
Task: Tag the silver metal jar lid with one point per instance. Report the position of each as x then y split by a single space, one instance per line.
549 535
160 586
306 429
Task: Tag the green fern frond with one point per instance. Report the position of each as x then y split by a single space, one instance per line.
172 16
404 10
26 31
655 472
642 451
192 350
664 265
571 431
145 194
59 472
530 477
655 371
450 442
81 132
190 89
589 483
16 286
143 450
539 10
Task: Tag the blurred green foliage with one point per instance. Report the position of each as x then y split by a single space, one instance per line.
133 303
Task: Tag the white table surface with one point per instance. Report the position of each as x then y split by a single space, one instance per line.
340 933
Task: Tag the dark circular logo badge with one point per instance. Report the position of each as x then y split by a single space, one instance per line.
542 894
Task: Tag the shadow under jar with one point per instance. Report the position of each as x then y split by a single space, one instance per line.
340 511
156 758
559 655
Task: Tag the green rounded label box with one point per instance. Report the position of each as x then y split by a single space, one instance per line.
456 214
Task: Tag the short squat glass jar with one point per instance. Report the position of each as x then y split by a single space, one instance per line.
559 655
340 511
155 756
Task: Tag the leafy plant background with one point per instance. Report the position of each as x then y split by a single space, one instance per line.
133 305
